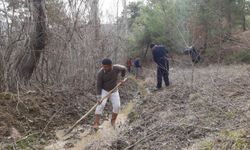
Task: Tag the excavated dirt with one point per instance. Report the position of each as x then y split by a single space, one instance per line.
36 112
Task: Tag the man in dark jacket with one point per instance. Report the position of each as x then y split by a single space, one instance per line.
160 57
192 52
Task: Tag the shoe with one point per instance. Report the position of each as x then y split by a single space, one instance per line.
157 89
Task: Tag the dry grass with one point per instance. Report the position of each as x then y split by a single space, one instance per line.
200 104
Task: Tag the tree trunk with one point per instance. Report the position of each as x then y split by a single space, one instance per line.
243 15
94 19
124 3
95 37
117 33
1 73
28 59
146 52
229 16
205 26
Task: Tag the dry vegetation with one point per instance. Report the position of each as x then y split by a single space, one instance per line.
38 115
212 112
204 108
49 57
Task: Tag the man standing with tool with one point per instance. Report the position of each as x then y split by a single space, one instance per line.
160 58
107 80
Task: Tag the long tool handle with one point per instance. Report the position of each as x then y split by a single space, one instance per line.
84 116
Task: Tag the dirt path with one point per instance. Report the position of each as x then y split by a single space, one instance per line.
80 140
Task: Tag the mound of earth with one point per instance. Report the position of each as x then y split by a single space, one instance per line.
32 112
37 112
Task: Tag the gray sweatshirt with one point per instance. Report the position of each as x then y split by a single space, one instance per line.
108 80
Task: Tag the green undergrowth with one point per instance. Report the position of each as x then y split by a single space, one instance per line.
224 140
27 143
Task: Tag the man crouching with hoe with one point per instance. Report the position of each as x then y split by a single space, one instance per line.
107 80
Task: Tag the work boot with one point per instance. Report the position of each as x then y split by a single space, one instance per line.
97 122
113 119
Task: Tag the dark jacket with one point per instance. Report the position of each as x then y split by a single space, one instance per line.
195 56
137 63
159 54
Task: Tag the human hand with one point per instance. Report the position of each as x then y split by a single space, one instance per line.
99 100
122 81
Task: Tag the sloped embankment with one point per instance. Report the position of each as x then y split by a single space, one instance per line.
33 113
205 109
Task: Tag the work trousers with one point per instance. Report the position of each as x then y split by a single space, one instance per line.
115 100
163 73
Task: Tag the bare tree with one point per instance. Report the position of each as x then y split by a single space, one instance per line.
28 59
77 42
124 3
94 19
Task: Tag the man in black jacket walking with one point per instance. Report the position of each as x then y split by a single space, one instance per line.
160 57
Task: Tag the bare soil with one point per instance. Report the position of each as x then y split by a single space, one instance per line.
43 113
203 109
